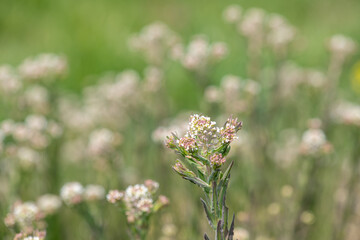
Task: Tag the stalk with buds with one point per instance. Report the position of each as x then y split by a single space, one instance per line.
203 150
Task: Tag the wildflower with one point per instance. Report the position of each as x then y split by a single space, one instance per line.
341 46
307 217
188 143
241 234
314 141
151 185
100 141
232 14
44 66
49 203
25 213
114 196
94 192
217 159
9 81
28 158
72 193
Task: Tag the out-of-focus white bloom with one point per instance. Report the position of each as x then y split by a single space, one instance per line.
274 209
94 192
232 14
313 141
37 98
72 193
25 213
9 81
54 129
114 196
49 203
241 234
7 126
153 77
315 78
178 126
212 94
101 141
281 34
200 54
346 113
307 217
154 41
287 191
43 67
252 25
341 46
290 76
36 122
21 132
28 158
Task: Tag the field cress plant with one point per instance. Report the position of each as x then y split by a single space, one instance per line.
203 149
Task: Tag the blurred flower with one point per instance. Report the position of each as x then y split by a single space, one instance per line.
101 141
241 234
307 217
25 213
49 203
114 196
341 46
252 25
72 193
287 191
232 14
94 192
28 158
154 41
313 141
9 82
346 113
45 66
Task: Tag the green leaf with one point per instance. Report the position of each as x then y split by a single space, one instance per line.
231 230
199 182
208 214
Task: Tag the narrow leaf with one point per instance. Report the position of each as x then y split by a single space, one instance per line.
208 214
206 237
231 230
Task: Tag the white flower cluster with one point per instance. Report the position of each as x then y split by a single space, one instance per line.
341 46
73 193
101 141
313 141
49 203
200 54
154 42
234 94
138 200
25 213
9 80
260 27
26 141
45 66
346 113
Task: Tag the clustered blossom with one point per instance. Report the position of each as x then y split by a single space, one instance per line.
234 94
217 159
346 113
204 137
72 193
94 192
314 142
49 203
154 42
9 80
25 213
44 66
114 196
36 235
200 54
138 200
341 46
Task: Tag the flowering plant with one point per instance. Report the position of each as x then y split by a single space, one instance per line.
138 203
203 149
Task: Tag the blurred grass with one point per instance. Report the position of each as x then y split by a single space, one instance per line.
93 34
